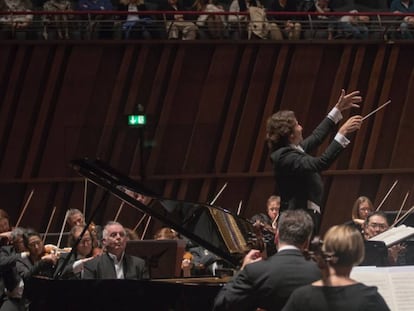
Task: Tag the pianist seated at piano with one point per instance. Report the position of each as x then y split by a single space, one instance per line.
376 223
113 263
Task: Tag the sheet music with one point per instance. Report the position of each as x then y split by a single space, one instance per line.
394 284
394 235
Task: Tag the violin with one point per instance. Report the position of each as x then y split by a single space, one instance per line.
316 253
53 249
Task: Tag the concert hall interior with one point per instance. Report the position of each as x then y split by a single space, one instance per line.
206 104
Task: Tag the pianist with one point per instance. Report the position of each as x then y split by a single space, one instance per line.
114 263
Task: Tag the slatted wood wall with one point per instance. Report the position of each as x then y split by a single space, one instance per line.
206 105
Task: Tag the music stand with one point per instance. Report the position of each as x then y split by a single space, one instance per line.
163 257
376 254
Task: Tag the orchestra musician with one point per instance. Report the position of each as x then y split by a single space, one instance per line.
361 209
38 262
376 223
297 173
76 218
342 248
84 252
267 284
267 222
11 284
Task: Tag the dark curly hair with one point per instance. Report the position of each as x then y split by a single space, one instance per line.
278 129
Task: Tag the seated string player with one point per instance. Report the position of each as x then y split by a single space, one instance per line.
376 223
267 222
84 252
361 209
40 261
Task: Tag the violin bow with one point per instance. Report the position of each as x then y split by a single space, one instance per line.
386 196
61 230
119 211
48 224
85 192
139 222
403 216
24 208
399 212
146 228
218 194
239 208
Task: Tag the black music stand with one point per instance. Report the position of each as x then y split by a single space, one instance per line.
163 257
376 254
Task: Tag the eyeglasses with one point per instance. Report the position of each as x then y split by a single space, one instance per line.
273 209
379 226
85 241
34 243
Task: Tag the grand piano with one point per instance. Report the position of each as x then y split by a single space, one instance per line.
216 229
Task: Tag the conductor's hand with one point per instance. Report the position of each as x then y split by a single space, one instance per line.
351 125
347 101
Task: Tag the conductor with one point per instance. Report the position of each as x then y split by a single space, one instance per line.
296 172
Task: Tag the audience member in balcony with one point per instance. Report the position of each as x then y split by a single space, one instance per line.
177 24
354 26
135 26
238 23
56 21
259 26
323 26
99 25
406 29
212 26
291 28
16 22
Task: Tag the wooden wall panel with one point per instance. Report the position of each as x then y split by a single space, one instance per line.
207 103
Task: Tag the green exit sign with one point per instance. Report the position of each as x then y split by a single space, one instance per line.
137 120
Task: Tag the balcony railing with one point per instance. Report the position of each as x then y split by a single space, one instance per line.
110 25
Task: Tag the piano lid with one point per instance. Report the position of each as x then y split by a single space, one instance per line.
214 228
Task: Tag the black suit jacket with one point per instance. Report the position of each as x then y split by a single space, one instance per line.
268 283
298 173
102 267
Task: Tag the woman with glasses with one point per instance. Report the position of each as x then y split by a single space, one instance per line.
84 251
360 211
